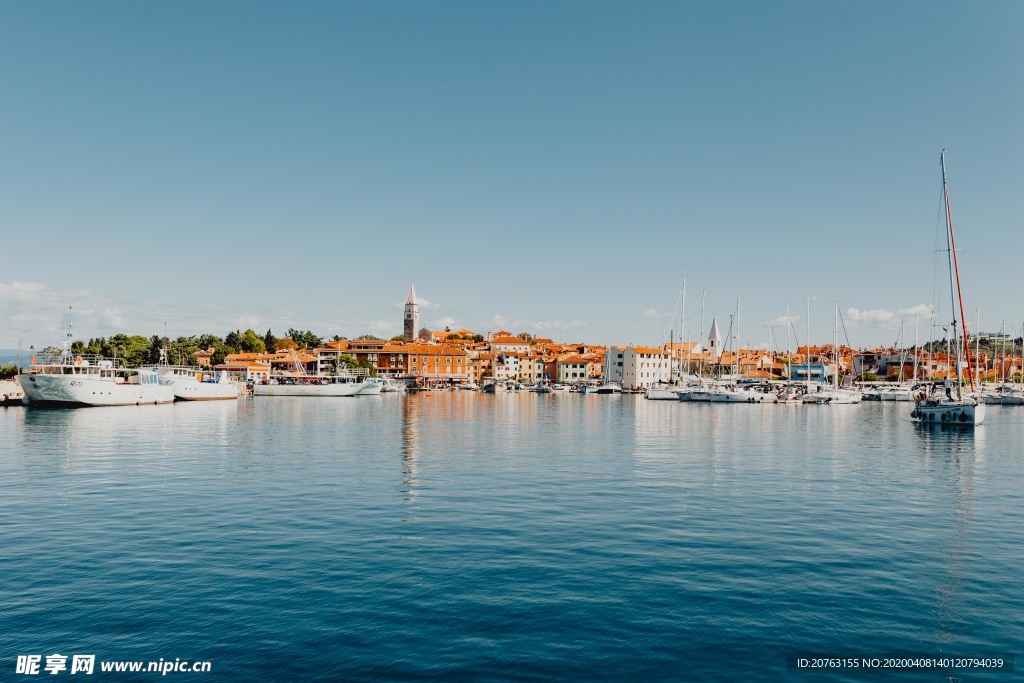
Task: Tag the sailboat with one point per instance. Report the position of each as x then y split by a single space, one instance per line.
945 403
836 394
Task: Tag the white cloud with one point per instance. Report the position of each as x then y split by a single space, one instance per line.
383 328
444 322
424 304
21 291
652 313
559 325
920 310
516 326
783 320
875 316
883 318
36 314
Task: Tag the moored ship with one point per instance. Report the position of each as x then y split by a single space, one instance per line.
91 381
195 384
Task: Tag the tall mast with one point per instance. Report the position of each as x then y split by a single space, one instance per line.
682 338
917 351
835 349
700 370
955 271
807 356
789 348
736 336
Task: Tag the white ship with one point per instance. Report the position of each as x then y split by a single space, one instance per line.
91 381
310 385
193 384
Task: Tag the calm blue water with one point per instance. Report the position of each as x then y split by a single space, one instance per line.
457 536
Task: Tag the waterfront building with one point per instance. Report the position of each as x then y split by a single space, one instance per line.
387 358
505 366
572 369
246 367
637 367
531 369
203 358
437 363
509 344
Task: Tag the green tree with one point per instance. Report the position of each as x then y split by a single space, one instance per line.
285 344
251 343
370 337
269 342
526 337
305 339
233 340
220 351
8 371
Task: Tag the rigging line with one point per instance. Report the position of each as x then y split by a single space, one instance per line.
956 271
845 333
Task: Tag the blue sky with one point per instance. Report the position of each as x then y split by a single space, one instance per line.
549 167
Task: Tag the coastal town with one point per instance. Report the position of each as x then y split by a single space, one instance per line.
464 358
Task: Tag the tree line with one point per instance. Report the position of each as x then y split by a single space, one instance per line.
136 350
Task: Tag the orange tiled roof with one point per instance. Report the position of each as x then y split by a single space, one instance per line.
509 340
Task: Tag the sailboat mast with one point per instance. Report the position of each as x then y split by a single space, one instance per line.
682 332
736 336
835 349
917 351
807 356
700 369
955 271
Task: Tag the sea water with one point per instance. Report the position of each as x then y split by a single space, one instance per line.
515 537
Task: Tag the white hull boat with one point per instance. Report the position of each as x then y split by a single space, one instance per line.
315 387
947 403
82 382
663 392
833 397
966 412
192 384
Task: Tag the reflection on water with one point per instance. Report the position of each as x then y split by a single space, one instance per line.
555 536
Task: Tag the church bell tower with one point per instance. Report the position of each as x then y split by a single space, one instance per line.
412 316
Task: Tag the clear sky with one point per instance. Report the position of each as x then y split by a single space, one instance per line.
548 167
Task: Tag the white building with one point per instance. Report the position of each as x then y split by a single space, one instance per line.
637 367
572 369
505 366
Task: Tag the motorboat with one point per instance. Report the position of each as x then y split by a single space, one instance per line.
91 381
196 384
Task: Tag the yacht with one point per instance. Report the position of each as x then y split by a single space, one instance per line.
727 393
391 386
311 385
91 381
947 403
372 386
196 384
